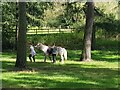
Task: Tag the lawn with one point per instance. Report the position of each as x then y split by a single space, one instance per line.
102 72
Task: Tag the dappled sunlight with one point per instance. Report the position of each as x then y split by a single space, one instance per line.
8 55
62 78
93 64
108 56
71 74
68 25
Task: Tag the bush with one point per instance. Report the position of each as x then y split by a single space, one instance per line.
70 41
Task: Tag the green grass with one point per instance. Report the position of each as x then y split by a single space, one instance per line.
102 72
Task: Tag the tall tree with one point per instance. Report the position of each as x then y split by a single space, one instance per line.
93 43
21 43
86 53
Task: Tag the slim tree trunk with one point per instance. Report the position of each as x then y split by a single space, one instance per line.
21 42
86 53
93 46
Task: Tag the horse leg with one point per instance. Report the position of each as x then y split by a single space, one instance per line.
45 59
62 58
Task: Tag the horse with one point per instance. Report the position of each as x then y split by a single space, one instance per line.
53 50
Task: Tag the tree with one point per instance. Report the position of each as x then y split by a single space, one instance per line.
93 43
36 12
86 53
21 43
73 15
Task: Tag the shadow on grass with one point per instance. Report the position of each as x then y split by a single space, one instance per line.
68 75
48 75
97 55
105 55
9 54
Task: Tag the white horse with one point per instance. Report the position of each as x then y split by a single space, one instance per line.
48 51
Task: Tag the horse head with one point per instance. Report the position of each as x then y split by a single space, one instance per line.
39 45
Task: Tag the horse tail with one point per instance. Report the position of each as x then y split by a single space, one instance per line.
65 54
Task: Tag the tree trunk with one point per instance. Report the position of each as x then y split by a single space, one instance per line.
21 42
93 46
86 52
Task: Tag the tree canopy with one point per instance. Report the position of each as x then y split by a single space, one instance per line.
58 15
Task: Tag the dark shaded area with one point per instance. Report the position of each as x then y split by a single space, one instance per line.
106 55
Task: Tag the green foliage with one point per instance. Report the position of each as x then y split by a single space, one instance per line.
9 22
106 20
53 23
59 15
73 15
67 40
74 41
35 12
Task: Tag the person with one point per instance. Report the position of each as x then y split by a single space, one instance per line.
32 53
54 52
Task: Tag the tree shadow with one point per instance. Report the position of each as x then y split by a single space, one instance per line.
9 54
105 55
77 75
97 55
7 66
70 76
74 55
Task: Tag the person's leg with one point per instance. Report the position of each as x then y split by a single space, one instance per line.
33 58
30 57
50 58
54 58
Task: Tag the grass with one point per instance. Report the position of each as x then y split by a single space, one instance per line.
102 72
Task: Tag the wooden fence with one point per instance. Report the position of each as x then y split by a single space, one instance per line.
49 31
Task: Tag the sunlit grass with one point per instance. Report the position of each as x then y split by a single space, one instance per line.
100 73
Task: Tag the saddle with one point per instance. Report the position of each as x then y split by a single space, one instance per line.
49 50
52 50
